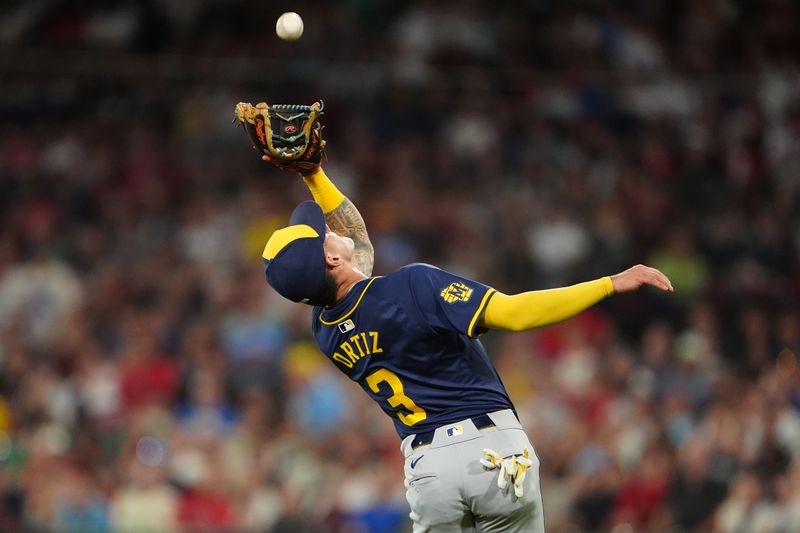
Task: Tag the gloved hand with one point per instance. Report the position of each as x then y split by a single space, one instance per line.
289 135
512 468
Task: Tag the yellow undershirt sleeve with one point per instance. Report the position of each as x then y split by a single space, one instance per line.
534 309
323 190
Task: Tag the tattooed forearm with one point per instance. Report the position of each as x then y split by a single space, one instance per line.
347 222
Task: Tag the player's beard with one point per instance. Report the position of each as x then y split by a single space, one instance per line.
327 295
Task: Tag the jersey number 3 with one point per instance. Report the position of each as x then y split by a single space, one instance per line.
398 397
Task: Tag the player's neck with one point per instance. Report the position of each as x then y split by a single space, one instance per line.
348 282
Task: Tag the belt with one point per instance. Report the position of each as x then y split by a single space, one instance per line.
426 437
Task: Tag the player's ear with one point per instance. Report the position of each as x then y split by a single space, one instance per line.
332 260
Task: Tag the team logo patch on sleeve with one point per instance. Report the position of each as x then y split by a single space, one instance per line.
456 292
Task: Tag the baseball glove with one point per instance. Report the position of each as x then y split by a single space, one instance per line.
289 134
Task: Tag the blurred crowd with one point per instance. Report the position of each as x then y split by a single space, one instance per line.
151 381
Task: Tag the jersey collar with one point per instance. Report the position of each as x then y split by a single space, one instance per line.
347 305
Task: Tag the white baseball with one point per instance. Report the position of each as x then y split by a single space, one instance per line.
289 26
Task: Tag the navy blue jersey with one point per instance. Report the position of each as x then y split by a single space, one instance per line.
409 340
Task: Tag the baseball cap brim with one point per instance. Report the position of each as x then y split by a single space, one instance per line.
294 257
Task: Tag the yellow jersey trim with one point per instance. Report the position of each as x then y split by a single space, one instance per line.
285 236
350 312
477 314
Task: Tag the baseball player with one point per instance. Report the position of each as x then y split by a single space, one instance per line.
410 340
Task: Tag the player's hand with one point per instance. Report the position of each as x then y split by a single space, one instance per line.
291 167
290 134
636 276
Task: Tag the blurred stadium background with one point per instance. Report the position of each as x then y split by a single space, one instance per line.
152 382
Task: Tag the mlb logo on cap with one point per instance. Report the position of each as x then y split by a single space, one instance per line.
454 431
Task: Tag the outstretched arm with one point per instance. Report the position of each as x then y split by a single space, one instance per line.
346 221
535 309
342 216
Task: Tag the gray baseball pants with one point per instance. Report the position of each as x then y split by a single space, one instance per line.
450 491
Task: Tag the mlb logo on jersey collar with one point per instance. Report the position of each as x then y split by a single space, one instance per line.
454 431
346 326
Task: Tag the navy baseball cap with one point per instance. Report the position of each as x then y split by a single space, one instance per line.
294 257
